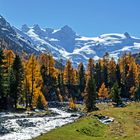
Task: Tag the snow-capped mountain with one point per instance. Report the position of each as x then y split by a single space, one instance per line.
65 43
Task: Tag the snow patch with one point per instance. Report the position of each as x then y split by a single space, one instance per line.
53 39
56 31
35 37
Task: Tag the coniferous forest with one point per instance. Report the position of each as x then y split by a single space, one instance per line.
32 81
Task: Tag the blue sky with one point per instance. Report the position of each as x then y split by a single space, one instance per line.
86 17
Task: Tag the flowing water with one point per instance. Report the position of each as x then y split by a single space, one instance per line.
15 126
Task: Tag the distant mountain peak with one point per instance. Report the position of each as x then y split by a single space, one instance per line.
3 22
127 35
25 28
1 16
14 39
67 29
36 27
5 26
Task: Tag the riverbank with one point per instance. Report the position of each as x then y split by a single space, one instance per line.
126 125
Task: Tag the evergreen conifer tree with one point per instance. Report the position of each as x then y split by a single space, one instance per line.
1 79
91 95
81 76
115 92
18 82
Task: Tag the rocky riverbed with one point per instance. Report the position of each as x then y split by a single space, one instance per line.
23 126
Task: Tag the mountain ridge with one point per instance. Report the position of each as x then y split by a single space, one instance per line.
65 43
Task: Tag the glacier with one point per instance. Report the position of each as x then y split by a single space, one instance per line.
64 43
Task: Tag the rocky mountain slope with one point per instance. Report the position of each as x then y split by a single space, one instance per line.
9 39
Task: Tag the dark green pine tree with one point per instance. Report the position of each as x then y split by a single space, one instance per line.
43 73
39 103
115 92
137 94
1 70
125 90
18 73
60 82
91 95
105 69
118 75
12 89
118 79
6 87
98 76
81 76
105 74
2 102
60 76
130 82
45 81
50 83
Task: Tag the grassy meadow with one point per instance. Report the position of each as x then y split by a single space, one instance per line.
126 125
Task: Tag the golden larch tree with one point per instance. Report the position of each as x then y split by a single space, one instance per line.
68 71
34 79
103 92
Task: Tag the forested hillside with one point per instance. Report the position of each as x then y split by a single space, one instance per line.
32 81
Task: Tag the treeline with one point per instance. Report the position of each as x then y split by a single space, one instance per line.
112 80
32 81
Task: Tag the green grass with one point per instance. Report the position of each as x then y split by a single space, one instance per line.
125 127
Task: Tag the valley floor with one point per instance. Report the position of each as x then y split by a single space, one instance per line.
126 125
